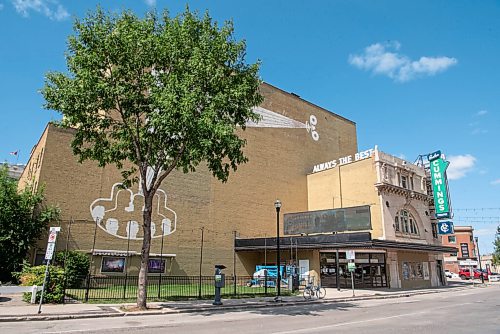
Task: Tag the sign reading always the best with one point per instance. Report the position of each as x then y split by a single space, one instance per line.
440 185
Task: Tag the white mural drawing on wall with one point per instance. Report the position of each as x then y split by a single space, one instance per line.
271 119
120 214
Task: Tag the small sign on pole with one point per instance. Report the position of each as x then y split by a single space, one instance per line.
350 255
351 267
49 254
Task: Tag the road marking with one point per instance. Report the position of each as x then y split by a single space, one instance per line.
315 329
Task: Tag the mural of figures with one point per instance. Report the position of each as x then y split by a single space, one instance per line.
119 214
166 226
132 229
112 226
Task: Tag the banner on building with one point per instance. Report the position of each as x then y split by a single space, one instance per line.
445 228
328 221
439 181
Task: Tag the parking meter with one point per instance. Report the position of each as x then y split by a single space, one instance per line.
219 282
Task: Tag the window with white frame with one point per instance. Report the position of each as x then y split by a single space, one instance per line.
405 223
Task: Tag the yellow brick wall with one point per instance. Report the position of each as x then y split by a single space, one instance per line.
279 160
347 186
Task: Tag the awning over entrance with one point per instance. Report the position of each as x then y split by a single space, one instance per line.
334 241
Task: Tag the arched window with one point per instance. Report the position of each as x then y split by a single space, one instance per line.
404 222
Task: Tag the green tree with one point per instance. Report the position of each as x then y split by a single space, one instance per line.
22 221
155 94
496 251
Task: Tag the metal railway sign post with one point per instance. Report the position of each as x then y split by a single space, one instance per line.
49 254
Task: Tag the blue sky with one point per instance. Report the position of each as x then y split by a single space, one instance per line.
416 76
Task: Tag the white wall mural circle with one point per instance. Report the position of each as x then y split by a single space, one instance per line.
120 214
271 119
311 127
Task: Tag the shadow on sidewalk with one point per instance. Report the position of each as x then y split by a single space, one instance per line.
289 309
5 299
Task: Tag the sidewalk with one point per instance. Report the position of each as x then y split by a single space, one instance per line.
13 309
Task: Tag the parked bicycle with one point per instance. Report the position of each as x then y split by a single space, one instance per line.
314 291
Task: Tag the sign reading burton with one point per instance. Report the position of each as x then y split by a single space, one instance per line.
328 221
440 185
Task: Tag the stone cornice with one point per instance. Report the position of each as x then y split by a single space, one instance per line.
406 193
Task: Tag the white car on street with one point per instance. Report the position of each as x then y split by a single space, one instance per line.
494 277
450 274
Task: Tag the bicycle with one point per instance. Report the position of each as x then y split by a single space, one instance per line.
315 291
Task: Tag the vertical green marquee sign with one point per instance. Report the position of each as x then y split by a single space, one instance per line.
440 185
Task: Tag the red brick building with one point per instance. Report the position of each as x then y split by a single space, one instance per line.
463 240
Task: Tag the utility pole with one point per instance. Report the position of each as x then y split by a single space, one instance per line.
479 259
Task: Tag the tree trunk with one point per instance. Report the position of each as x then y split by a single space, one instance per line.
146 245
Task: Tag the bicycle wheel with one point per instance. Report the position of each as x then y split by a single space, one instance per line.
307 293
321 292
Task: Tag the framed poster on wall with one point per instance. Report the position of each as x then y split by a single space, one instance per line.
426 271
113 265
406 270
156 266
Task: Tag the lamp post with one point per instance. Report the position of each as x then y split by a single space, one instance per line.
277 205
479 259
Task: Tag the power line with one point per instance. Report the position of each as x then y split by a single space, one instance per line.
477 209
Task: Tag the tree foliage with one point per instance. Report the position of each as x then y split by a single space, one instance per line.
496 251
76 267
54 289
22 221
155 94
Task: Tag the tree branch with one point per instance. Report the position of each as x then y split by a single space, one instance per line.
170 168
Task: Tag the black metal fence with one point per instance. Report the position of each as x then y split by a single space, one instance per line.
101 288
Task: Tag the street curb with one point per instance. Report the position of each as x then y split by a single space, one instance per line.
213 309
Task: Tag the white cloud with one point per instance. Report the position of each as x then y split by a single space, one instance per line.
485 232
385 60
495 182
150 3
50 8
479 131
481 112
460 165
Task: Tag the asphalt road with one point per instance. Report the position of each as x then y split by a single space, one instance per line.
468 311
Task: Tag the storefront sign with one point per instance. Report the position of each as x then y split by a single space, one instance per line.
328 221
343 161
440 185
350 255
468 263
445 228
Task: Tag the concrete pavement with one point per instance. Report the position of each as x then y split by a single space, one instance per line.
12 309
462 311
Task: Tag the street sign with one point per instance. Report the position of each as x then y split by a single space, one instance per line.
445 227
350 255
351 267
51 246
468 263
49 254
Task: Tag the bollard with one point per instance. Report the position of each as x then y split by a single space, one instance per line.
34 290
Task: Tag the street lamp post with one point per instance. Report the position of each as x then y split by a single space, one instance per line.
277 205
479 259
